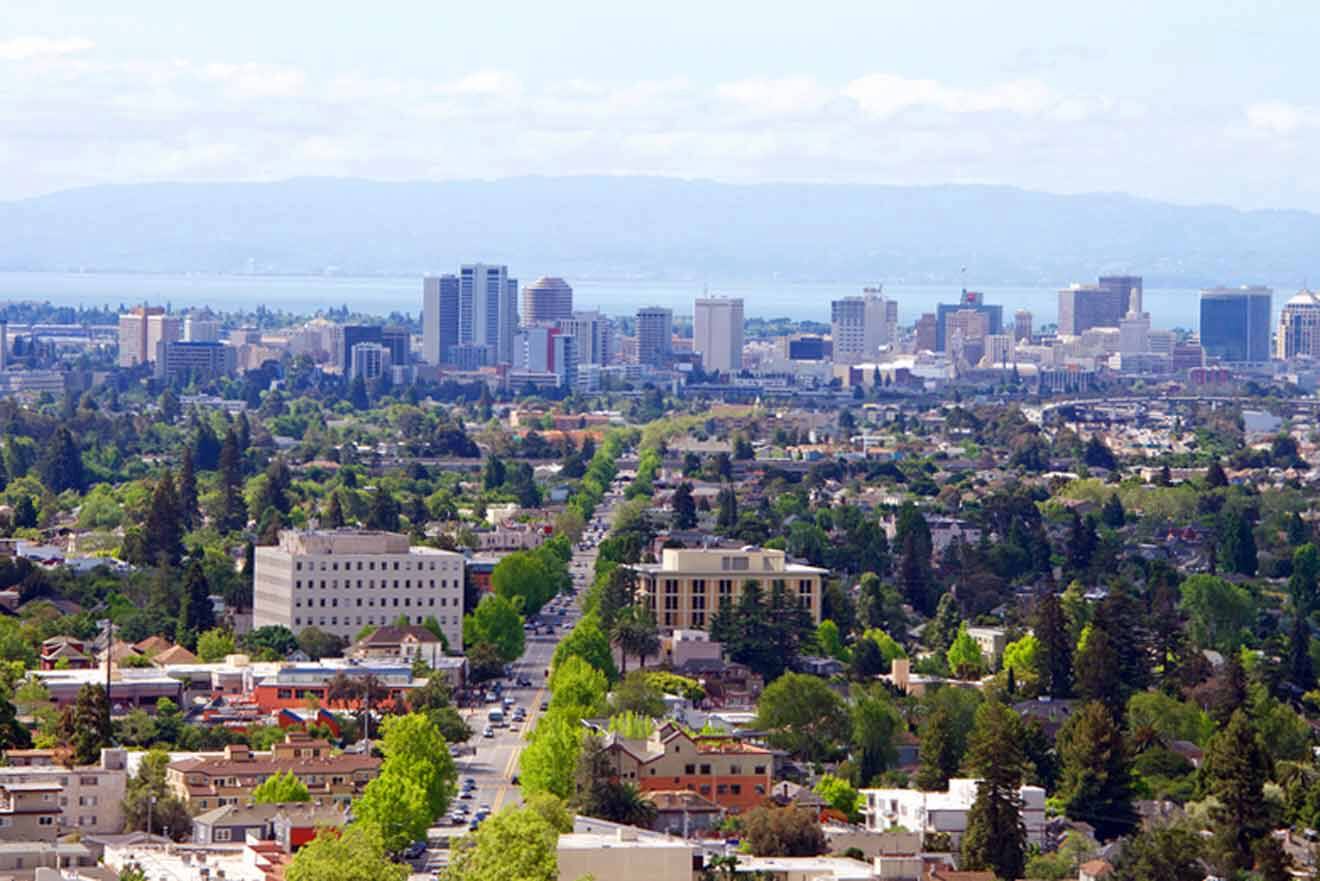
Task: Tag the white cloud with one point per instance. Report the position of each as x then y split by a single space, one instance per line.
28 48
259 80
886 95
776 97
1280 117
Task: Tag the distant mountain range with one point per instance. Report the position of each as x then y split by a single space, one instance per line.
654 228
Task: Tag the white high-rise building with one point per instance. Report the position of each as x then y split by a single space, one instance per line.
200 330
717 333
594 333
162 329
488 310
1134 329
369 361
859 326
1299 327
341 580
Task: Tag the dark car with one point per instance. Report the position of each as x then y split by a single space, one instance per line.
414 850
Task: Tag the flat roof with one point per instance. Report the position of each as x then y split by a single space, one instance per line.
594 840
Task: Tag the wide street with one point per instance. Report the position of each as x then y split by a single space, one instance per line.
494 763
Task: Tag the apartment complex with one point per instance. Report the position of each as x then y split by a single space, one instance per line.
89 797
733 774
340 580
859 326
547 300
688 586
717 333
655 336
211 781
30 811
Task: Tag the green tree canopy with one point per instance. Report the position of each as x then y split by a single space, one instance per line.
355 854
279 788
803 715
497 623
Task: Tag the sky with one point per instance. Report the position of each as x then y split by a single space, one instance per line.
1189 102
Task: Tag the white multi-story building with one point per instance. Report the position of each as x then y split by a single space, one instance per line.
859 326
1134 329
927 812
488 310
369 361
200 330
340 580
1299 327
595 335
717 333
90 797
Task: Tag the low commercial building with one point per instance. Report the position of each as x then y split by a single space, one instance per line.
626 853
89 797
401 644
688 586
945 812
292 687
205 782
340 580
21 859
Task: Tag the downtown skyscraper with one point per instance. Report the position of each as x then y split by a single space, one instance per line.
476 311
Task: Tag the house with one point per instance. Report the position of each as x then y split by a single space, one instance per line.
788 794
727 684
684 813
297 824
735 775
175 654
209 781
65 652
230 824
399 644
946 811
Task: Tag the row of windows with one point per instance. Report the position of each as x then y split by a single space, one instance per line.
723 789
333 621
371 602
334 584
734 770
698 586
370 566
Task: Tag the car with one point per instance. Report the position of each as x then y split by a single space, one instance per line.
488 732
414 850
515 780
508 701
470 781
524 682
467 793
545 705
472 827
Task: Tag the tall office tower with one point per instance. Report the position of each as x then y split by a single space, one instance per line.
970 300
546 300
133 335
717 333
1084 306
859 326
440 295
655 336
925 333
1160 342
348 336
162 329
1022 320
1299 327
488 310
594 333
999 349
1124 286
399 342
1134 329
967 330
200 330
1235 323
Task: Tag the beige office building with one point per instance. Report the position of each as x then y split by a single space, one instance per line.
341 580
546 301
90 797
717 333
687 587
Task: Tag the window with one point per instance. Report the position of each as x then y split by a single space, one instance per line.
46 821
705 769
699 587
221 835
760 790
735 770
705 789
87 781
726 589
759 770
689 769
721 789
735 789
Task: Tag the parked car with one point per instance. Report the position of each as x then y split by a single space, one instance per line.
488 732
414 850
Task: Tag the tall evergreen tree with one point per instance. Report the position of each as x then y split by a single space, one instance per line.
1099 671
62 467
1237 544
162 534
85 725
1168 639
1235 771
1054 659
1230 694
243 430
1305 577
189 512
685 509
1097 783
1113 514
1301 670
384 512
274 495
494 474
334 513
938 753
1215 476
727 516
357 394
996 837
943 627
205 447
233 509
1082 542
196 615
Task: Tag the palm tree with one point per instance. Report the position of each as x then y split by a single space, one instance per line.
635 633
